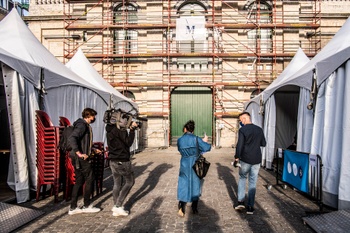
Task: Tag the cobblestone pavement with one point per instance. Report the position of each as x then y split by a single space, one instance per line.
153 205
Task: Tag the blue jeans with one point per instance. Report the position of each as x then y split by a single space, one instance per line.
253 171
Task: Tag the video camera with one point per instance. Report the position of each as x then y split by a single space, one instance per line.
120 118
139 125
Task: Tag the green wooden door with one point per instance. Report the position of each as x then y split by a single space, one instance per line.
191 103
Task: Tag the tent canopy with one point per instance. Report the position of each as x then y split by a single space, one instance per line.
18 41
22 51
80 65
334 54
283 82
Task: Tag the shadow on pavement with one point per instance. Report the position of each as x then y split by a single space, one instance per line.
149 184
148 221
225 174
205 221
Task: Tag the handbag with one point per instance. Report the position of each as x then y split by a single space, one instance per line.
201 166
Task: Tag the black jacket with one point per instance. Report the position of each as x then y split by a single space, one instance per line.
80 139
119 142
250 139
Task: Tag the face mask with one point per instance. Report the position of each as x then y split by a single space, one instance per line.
92 121
241 124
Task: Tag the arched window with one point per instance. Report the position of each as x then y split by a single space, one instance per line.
255 93
129 94
125 40
259 39
188 10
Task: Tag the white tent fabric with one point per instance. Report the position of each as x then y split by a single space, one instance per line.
299 60
334 54
280 134
66 93
80 65
269 131
254 108
305 122
331 132
21 106
330 138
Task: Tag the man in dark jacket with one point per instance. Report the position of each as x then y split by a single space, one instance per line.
248 156
81 143
119 141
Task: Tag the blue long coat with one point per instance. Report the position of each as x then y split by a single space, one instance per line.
189 185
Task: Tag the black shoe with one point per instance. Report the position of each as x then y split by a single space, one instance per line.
240 205
194 207
250 210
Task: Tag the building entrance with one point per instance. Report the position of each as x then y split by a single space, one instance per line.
191 103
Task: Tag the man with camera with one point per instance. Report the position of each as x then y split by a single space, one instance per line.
120 137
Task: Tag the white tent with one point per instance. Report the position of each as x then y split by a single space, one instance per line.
279 104
80 65
29 69
332 118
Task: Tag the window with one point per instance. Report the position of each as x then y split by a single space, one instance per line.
125 41
129 94
259 39
255 93
192 46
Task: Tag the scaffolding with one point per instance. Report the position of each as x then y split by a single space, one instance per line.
248 44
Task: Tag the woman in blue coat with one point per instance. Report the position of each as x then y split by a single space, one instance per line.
189 185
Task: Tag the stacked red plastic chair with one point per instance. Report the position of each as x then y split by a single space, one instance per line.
98 166
67 169
48 163
64 121
70 177
106 158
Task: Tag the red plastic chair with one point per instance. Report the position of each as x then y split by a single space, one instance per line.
98 165
64 121
47 152
70 177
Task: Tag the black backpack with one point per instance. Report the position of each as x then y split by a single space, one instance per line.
64 143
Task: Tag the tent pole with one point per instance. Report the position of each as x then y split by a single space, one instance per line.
42 91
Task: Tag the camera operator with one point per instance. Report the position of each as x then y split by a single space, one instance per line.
119 141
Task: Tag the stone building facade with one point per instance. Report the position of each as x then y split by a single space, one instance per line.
228 52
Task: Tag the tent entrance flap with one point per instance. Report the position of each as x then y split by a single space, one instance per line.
5 142
6 193
286 118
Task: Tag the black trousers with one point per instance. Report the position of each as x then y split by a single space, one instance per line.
123 177
82 175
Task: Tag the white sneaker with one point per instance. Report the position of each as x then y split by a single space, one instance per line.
90 209
75 211
119 211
